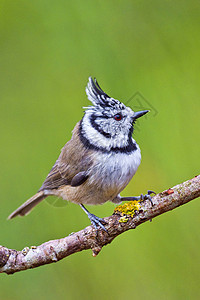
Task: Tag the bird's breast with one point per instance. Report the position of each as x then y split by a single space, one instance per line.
113 171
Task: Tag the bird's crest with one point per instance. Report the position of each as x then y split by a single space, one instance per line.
98 97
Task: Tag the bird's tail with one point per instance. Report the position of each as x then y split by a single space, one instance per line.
26 207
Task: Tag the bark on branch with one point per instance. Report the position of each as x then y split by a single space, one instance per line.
12 261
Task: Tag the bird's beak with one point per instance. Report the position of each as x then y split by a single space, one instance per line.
139 114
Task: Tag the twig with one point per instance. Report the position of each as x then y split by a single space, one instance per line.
12 261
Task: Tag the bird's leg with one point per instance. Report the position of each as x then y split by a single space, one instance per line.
95 221
140 198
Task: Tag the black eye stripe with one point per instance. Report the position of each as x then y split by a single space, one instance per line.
97 127
101 117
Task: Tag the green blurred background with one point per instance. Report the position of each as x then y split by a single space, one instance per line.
47 51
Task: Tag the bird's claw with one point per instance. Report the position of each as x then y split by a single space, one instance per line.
97 222
147 196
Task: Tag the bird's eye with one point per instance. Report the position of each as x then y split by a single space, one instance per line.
118 117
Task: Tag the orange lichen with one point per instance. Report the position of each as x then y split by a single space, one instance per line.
127 208
170 191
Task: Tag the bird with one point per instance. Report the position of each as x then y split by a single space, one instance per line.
99 160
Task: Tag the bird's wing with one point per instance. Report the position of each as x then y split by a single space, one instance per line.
54 179
72 166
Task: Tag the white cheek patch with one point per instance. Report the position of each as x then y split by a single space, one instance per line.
93 136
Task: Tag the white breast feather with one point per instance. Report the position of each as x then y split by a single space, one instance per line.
114 170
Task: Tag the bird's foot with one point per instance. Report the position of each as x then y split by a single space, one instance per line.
97 222
141 197
147 197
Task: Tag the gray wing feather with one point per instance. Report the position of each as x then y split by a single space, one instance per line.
54 180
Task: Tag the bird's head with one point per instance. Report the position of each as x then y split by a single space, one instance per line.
108 123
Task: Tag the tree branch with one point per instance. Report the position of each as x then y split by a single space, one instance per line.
12 261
